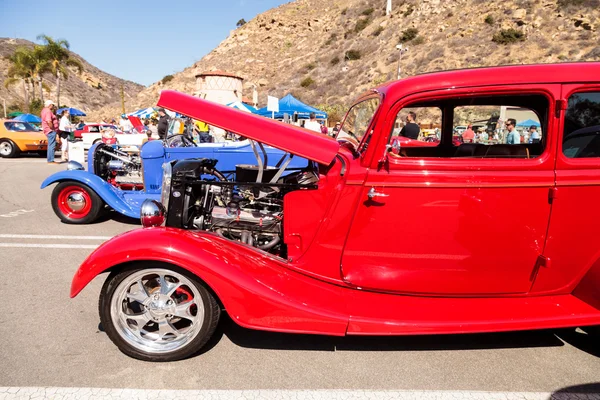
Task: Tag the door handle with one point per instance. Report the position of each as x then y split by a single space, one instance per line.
373 193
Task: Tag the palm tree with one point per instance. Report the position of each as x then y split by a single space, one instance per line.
40 65
20 71
59 57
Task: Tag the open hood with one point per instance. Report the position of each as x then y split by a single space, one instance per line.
301 142
136 123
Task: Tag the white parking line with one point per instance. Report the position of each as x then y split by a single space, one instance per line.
75 237
127 394
50 245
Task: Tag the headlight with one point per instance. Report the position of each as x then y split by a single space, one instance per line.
165 192
152 213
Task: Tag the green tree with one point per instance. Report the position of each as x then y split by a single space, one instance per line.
39 65
19 71
59 57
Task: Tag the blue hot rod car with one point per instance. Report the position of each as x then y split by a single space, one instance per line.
122 181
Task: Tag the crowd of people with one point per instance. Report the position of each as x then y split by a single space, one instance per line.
510 135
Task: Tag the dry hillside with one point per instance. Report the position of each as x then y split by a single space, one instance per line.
89 91
329 52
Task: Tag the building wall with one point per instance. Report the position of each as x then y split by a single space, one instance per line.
220 89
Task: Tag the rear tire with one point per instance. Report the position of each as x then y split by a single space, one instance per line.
8 148
171 316
76 203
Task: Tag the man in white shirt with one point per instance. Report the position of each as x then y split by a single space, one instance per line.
534 135
312 123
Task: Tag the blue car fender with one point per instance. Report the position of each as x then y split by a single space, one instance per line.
107 192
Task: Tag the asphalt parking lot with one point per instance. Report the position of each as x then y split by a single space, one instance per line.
49 339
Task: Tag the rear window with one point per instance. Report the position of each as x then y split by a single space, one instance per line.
15 126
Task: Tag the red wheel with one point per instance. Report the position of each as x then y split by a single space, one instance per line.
76 203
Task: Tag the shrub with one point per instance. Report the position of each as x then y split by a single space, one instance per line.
335 61
352 55
167 78
307 82
507 36
409 35
408 11
310 66
489 20
367 11
344 11
241 22
35 107
378 31
361 24
418 40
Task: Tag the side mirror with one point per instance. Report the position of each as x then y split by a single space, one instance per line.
384 157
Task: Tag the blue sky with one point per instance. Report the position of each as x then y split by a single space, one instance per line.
141 41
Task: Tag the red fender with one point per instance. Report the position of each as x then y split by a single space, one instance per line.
257 289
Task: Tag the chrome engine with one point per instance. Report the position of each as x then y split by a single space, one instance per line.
117 167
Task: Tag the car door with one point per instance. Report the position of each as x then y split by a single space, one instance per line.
573 239
451 223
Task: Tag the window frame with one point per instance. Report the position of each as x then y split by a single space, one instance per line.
360 149
564 162
543 162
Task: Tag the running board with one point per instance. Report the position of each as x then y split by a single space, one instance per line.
377 314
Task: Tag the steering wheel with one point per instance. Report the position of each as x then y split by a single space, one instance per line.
183 141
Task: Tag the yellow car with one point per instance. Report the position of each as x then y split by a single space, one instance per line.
17 137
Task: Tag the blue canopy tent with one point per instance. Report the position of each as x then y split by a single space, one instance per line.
244 107
529 122
290 105
28 118
73 111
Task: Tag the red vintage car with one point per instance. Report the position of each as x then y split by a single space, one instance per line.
433 240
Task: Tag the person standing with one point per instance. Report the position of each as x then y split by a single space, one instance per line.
336 128
411 130
534 135
163 124
65 128
468 135
513 136
312 124
202 129
50 127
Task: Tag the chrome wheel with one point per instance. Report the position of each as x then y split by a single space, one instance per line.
6 148
157 311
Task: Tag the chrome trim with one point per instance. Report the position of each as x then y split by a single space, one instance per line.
165 188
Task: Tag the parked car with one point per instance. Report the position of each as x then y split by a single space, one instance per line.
442 239
93 128
18 137
121 177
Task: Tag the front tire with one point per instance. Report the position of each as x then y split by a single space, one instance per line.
8 148
155 312
76 203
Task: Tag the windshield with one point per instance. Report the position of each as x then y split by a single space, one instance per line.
17 126
357 120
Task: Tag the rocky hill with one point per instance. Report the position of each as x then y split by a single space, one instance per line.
89 91
329 52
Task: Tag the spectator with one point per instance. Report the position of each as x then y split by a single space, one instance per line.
163 123
513 136
534 135
411 130
50 127
203 130
312 124
468 135
336 128
80 125
483 135
65 128
149 136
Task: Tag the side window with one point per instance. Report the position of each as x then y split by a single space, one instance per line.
508 126
357 121
94 129
581 138
417 127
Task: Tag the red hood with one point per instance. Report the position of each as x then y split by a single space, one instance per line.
304 143
136 123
